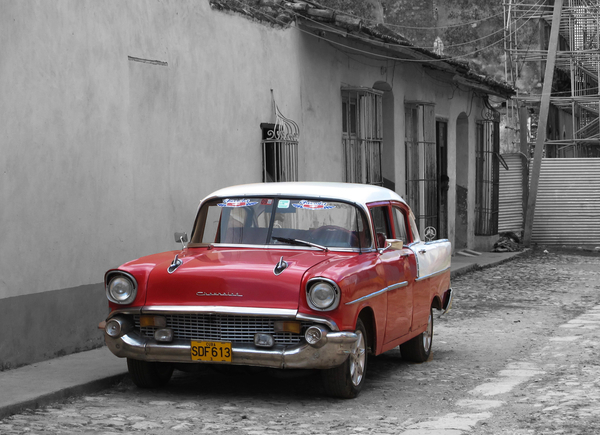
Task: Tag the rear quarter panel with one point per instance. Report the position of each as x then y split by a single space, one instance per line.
433 278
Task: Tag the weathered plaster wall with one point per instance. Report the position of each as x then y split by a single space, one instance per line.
104 156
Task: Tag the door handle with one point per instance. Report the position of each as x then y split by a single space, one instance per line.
422 251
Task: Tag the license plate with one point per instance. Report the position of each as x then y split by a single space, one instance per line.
211 351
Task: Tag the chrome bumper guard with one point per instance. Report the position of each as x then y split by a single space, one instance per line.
331 351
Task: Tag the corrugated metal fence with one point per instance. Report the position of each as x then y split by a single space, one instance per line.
511 217
567 210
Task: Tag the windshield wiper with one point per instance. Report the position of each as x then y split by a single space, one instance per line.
299 242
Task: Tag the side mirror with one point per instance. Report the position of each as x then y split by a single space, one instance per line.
181 238
396 244
389 243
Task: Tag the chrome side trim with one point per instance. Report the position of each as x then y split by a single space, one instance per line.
399 285
431 275
214 309
433 242
379 292
318 319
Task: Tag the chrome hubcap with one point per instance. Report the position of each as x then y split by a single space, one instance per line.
357 359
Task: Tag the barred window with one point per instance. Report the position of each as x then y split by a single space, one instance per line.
280 149
421 163
362 135
487 178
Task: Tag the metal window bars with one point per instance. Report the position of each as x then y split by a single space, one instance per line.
362 135
280 149
487 177
421 163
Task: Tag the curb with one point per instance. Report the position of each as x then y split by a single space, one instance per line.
61 395
475 266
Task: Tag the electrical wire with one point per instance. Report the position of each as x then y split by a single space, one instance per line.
411 27
369 53
443 59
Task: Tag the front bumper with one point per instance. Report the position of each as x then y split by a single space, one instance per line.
331 351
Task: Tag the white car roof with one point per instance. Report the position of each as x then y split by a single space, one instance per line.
357 193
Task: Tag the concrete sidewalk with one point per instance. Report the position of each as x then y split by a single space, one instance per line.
87 372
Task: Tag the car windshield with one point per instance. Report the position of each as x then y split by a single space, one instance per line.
281 221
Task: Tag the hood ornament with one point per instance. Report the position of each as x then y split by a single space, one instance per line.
280 267
175 264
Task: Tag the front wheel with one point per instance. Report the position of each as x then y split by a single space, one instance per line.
146 374
346 380
418 348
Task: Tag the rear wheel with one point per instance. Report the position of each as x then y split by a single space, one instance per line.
149 374
418 348
346 380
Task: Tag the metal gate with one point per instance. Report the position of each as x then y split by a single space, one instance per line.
512 195
567 209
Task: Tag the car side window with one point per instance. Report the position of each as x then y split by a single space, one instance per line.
380 218
211 228
400 225
414 229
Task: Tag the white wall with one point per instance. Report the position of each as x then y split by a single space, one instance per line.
103 158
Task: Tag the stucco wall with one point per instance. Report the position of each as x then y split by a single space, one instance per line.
118 117
104 157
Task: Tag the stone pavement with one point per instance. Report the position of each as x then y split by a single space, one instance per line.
83 373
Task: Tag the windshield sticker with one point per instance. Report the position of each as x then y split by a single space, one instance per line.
307 205
283 203
266 201
237 203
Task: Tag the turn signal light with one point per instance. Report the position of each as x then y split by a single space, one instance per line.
157 321
287 326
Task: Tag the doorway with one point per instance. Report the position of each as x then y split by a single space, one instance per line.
462 183
441 141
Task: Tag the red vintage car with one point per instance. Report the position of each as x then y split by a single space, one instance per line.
283 275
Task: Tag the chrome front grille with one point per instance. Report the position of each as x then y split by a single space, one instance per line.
222 327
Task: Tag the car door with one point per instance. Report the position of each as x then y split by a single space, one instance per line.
395 265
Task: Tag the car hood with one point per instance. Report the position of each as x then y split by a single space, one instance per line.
231 277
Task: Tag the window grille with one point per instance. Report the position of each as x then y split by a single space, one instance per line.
280 149
421 163
362 135
487 178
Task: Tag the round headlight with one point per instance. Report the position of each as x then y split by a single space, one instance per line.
323 295
121 290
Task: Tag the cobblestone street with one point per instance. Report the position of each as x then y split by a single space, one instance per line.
518 354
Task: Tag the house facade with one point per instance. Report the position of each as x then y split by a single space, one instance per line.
119 117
